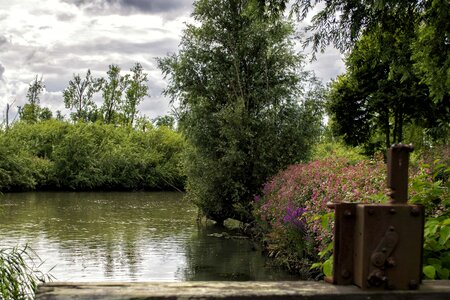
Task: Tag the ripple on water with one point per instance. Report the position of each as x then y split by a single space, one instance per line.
125 236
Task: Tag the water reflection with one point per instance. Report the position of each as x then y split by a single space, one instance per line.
125 236
216 254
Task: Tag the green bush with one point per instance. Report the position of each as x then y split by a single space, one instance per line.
16 173
89 156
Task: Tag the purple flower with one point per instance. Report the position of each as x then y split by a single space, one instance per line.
293 216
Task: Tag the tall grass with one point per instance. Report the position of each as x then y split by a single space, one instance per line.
19 273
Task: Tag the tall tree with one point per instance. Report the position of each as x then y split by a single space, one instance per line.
431 54
237 80
112 89
363 102
136 92
420 27
78 95
30 111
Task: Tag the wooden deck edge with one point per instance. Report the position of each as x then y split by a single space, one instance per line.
434 290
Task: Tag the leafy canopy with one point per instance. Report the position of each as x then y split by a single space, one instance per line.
237 81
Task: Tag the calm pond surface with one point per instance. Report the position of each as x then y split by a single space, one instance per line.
126 237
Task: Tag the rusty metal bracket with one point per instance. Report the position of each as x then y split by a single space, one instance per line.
379 246
397 175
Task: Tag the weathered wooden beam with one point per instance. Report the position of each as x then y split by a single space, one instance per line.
303 290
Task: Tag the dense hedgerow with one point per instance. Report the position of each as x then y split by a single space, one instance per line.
296 225
89 156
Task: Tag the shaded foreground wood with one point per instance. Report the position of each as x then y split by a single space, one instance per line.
435 290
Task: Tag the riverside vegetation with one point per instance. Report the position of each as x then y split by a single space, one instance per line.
58 155
296 226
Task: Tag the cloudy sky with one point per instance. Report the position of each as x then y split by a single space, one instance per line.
57 38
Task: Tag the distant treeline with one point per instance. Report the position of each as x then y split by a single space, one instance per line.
59 155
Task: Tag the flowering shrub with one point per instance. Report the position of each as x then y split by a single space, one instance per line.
296 225
293 205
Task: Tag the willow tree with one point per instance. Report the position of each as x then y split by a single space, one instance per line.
238 81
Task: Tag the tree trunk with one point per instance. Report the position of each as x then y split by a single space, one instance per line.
400 127
387 129
7 116
395 137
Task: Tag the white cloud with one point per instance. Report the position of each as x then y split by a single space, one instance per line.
57 38
327 65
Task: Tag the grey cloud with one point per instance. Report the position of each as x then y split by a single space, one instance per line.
57 84
168 8
109 46
65 17
3 41
2 71
328 65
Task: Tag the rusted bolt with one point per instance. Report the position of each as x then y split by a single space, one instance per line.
390 262
392 211
345 273
371 211
378 259
347 213
376 278
413 284
415 211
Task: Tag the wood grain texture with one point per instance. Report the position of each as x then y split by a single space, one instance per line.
307 290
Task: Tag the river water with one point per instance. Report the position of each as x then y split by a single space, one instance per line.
127 237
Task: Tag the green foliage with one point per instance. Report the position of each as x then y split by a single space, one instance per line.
167 121
135 93
431 189
15 166
326 263
78 95
242 106
34 89
86 156
33 113
112 89
431 50
336 149
380 95
30 112
398 65
19 275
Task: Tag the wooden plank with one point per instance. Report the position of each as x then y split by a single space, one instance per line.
311 290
